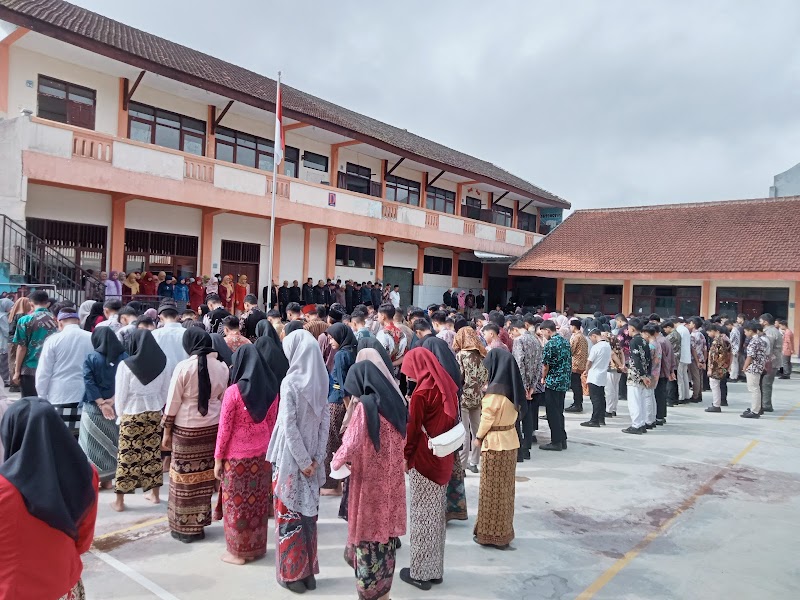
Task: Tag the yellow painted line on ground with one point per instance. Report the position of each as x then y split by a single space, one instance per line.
131 528
599 583
790 411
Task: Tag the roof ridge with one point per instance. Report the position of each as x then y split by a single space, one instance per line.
686 204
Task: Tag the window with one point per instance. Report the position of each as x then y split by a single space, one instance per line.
244 149
83 244
353 256
436 265
402 190
587 299
753 302
471 208
315 161
163 128
291 160
666 300
526 221
65 102
154 251
441 200
502 215
358 179
470 268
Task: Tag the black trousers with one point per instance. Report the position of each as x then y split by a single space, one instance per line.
577 389
672 391
529 423
554 404
723 388
661 398
27 384
623 387
597 394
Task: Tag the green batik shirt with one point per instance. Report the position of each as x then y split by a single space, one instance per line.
32 330
558 357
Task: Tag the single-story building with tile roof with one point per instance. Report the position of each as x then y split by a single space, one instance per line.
738 256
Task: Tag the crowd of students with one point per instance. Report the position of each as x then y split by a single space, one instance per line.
335 401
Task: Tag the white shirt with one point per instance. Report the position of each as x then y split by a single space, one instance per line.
394 298
170 339
59 376
131 397
686 344
112 321
600 357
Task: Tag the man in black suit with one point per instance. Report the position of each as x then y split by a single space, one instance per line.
308 291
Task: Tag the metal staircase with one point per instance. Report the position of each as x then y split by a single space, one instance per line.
29 260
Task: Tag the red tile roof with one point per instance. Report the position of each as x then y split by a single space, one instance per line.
707 237
84 28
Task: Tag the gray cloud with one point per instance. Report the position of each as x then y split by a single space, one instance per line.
603 103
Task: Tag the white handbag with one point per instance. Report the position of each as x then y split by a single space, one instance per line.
448 442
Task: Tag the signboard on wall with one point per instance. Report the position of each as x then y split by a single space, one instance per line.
549 219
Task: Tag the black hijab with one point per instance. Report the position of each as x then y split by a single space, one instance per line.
105 342
505 378
265 328
224 353
343 335
441 350
46 465
378 397
256 382
273 355
196 342
94 312
146 359
137 306
292 326
371 342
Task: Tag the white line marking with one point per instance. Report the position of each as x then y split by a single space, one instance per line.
156 589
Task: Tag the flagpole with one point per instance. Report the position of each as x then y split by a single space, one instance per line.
274 188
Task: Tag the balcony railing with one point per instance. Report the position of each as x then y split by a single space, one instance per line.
149 159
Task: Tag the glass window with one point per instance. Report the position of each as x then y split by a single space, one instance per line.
437 265
666 300
141 132
588 298
470 268
244 149
65 102
526 221
353 256
291 161
358 179
502 215
171 130
441 200
315 161
402 190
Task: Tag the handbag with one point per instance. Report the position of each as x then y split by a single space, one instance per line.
448 442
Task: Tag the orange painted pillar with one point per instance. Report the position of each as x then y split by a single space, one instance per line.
384 168
122 114
490 201
206 240
5 44
515 218
423 191
117 258
627 297
459 196
454 274
306 248
418 273
330 262
379 261
485 279
559 294
705 299
333 166
276 254
211 138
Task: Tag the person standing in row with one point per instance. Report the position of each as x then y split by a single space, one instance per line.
190 422
556 375
720 357
297 452
639 377
527 351
774 358
787 348
504 404
141 386
29 336
579 348
469 356
684 391
754 366
616 369
373 446
597 376
699 356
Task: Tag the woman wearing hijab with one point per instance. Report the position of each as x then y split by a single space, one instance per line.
227 293
140 387
297 452
191 420
94 317
434 407
197 293
344 342
5 308
503 403
239 462
99 432
212 287
265 328
48 492
374 344
181 294
469 356
148 285
22 306
113 286
83 311
374 447
130 287
221 348
241 290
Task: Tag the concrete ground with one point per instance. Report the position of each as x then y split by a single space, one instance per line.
706 507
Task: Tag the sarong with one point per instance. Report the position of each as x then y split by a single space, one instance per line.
98 438
334 441
246 484
191 476
427 527
456 494
76 593
495 522
139 453
373 563
296 554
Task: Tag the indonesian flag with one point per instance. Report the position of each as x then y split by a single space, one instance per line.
279 141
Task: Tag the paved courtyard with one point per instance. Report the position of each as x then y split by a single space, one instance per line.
706 507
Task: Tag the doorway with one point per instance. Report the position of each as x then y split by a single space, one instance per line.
405 279
249 269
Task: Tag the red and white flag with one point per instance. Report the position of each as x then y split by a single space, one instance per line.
279 141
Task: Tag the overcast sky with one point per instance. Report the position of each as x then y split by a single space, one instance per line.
602 103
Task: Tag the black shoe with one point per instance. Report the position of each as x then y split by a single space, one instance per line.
473 468
767 409
698 401
526 454
650 425
551 446
437 581
610 414
574 409
564 445
723 403
398 545
714 409
670 404
310 582
405 575
661 422
590 424
13 388
520 456
749 415
783 377
298 587
643 429
603 422
633 430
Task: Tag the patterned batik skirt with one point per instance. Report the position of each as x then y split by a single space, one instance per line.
456 494
334 441
427 527
245 492
76 593
373 563
495 523
191 476
99 438
296 554
139 453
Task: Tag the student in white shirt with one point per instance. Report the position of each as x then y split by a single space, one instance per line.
170 336
596 376
684 393
394 297
59 377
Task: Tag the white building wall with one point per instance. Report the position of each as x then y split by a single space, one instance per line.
433 286
303 143
358 241
406 173
292 247
264 128
177 104
13 183
61 204
354 273
241 229
165 218
346 155
317 255
397 254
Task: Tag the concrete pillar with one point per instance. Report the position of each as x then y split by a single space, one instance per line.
379 248
454 274
330 259
117 247
627 297
306 249
206 239
706 302
418 273
559 294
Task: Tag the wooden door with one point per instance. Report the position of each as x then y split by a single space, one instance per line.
249 269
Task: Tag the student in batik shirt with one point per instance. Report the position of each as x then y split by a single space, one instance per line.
719 361
528 353
579 348
787 348
639 372
557 361
754 366
699 354
624 338
649 332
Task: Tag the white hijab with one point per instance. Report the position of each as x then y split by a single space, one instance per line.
307 373
84 310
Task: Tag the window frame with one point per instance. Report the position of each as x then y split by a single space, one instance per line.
470 268
410 186
315 166
434 194
358 254
504 214
182 130
437 265
67 86
258 150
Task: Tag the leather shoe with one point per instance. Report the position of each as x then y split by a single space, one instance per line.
590 424
405 575
573 409
714 409
526 454
611 414
473 468
633 430
749 415
551 446
661 422
564 445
